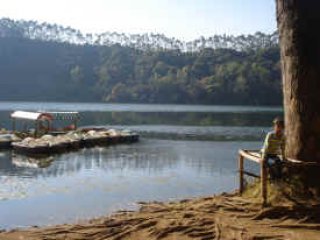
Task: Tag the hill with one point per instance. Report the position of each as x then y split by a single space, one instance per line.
46 62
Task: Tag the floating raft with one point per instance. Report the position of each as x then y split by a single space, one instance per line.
49 144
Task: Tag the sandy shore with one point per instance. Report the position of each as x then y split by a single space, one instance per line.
226 216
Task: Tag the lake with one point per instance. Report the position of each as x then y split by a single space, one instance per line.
185 151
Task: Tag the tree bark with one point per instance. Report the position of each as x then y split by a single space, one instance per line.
299 31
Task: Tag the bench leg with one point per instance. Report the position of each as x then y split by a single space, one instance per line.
241 180
264 190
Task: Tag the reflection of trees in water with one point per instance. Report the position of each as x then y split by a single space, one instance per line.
241 118
209 158
145 158
209 133
113 158
179 118
200 125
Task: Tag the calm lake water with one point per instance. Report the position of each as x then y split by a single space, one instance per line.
184 152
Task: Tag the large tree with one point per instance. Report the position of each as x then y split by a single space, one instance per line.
299 30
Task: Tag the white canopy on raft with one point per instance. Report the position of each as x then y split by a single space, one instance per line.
31 115
46 115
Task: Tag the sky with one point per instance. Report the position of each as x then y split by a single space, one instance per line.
182 19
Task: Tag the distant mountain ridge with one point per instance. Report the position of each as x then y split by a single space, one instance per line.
148 41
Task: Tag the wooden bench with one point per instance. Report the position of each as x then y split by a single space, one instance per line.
255 156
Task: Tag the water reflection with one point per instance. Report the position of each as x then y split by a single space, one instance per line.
182 126
179 118
168 118
29 162
108 107
150 156
101 180
97 181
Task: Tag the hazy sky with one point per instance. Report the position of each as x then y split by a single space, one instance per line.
183 19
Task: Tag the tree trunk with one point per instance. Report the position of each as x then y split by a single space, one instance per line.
299 30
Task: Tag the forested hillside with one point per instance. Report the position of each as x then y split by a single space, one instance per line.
50 63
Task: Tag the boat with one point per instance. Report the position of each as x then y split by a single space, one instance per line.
45 139
43 122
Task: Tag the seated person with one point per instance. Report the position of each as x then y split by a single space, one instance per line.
273 148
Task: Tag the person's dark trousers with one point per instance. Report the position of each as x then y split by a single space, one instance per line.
274 165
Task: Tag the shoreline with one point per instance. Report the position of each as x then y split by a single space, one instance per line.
224 216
